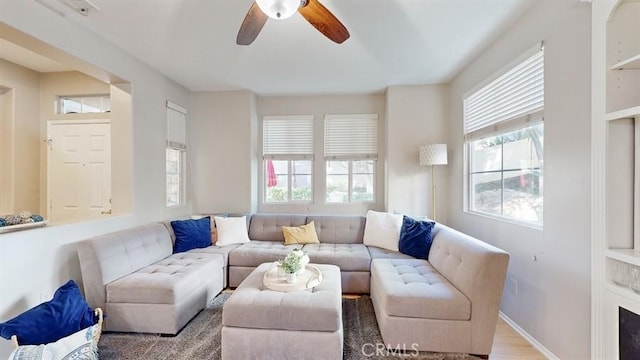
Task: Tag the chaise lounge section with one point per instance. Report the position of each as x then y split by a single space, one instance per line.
143 287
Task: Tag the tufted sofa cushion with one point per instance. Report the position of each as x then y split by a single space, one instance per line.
166 281
349 257
339 229
412 288
257 252
268 227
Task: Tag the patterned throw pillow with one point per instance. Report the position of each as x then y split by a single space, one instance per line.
79 345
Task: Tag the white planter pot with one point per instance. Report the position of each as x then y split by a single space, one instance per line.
291 278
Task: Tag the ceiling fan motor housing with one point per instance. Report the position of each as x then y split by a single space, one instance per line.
279 9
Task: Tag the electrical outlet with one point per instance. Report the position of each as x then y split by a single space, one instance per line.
514 286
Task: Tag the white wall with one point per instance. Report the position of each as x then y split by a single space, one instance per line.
222 153
416 115
36 262
553 300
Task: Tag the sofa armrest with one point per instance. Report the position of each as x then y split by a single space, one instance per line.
478 270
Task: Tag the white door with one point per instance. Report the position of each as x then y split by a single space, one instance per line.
79 171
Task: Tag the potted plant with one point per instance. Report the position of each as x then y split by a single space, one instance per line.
304 259
291 264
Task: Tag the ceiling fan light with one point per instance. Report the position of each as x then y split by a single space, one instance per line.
279 9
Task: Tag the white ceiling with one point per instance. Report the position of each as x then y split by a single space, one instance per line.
393 42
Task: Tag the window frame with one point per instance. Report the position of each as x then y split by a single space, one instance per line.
366 153
290 188
297 154
350 187
80 99
180 174
500 126
176 141
470 192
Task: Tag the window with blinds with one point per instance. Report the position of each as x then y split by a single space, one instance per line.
287 149
504 132
286 136
350 153
175 154
515 97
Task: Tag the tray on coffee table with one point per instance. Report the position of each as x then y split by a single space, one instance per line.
309 278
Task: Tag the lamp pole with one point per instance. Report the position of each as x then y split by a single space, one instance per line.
433 190
432 155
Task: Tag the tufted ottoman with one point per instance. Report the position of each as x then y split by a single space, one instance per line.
417 308
258 323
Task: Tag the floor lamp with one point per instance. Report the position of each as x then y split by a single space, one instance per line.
431 155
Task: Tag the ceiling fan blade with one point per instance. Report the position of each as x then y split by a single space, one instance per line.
251 26
323 20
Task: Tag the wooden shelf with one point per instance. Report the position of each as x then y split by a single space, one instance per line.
632 63
628 113
5 229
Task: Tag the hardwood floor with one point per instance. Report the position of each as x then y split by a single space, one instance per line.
509 345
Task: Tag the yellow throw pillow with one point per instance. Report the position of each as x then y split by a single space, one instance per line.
304 234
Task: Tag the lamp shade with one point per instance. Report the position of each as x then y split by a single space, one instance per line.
278 9
435 154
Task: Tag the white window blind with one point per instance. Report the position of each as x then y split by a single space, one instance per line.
516 95
289 136
351 137
176 126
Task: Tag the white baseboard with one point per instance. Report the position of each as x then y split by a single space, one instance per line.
530 339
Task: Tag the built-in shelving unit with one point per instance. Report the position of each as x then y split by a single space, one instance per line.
615 169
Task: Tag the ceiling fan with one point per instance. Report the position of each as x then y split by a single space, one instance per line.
312 10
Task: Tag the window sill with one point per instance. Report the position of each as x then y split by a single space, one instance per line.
506 220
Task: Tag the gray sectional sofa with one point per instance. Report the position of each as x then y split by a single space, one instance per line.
447 303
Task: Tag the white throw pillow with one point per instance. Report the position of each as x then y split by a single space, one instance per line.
231 230
382 230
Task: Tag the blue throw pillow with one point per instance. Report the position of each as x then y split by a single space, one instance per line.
191 234
415 237
48 322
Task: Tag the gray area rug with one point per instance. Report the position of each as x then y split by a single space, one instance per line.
200 338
